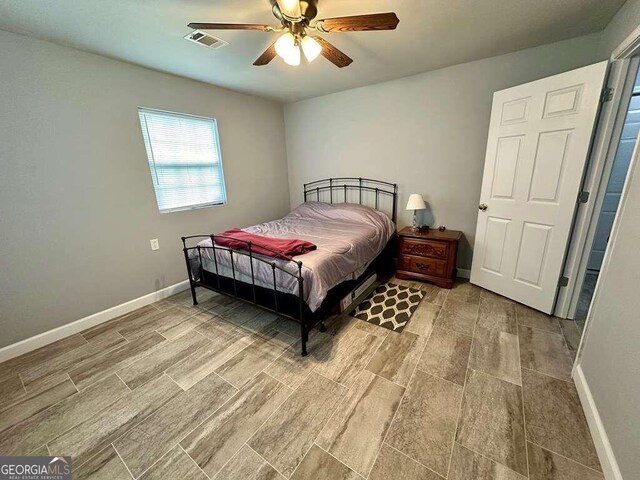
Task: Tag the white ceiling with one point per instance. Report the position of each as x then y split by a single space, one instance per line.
432 34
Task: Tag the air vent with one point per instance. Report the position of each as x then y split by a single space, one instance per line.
206 40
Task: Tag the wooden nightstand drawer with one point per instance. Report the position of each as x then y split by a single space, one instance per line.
425 248
424 265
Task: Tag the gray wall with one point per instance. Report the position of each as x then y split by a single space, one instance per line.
427 132
77 206
610 356
620 26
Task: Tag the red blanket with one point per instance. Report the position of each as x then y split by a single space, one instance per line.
268 246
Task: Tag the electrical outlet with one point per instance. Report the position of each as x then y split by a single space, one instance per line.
155 245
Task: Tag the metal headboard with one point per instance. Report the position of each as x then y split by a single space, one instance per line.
350 184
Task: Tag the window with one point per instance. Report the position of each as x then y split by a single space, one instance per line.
184 159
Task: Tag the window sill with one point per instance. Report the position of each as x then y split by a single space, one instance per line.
193 207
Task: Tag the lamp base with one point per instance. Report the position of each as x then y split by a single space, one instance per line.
415 227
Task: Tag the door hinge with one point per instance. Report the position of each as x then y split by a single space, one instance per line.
563 282
607 94
583 197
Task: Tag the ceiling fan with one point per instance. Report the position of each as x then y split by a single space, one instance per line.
295 17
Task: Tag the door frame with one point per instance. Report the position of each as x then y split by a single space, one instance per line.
622 75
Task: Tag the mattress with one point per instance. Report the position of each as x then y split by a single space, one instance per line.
348 236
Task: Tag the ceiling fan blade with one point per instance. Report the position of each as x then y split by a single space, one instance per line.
229 26
359 23
332 54
268 55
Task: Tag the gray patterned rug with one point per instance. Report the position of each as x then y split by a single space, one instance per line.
389 306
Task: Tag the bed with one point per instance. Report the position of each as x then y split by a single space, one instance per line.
352 223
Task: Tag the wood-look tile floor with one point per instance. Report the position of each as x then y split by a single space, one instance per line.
476 387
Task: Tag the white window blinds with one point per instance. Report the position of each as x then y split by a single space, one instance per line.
184 159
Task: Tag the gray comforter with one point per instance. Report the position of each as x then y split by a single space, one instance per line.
348 238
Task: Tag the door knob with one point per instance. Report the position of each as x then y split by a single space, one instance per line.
483 206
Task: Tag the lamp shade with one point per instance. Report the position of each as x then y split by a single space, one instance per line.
286 47
291 8
311 48
416 202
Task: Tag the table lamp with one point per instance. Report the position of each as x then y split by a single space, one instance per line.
416 202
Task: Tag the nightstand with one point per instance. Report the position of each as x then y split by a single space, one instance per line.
428 256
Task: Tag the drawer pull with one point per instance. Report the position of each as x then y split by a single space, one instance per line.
424 266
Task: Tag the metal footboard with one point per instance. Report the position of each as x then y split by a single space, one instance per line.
254 298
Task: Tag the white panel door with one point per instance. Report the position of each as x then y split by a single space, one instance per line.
537 149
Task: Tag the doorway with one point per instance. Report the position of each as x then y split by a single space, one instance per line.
609 207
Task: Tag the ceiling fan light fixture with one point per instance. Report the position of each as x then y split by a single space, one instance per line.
287 49
290 8
293 58
295 19
311 48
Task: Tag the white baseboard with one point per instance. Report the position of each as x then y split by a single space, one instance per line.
464 273
45 338
600 439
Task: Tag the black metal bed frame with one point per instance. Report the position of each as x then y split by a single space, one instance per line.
359 184
271 299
